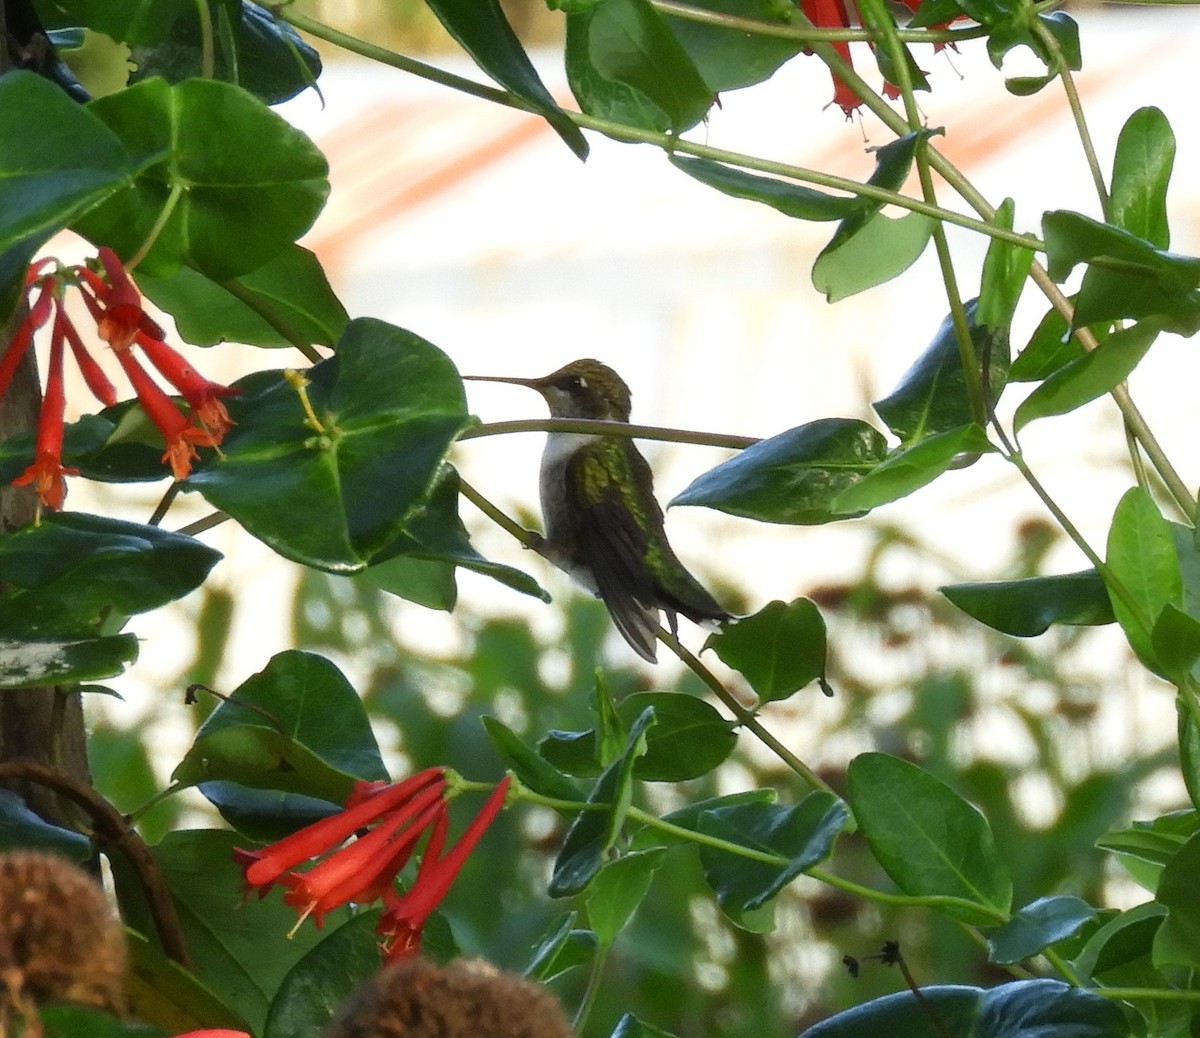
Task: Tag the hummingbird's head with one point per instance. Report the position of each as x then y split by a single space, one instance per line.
585 389
581 389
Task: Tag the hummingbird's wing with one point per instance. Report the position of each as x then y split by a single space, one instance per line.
613 525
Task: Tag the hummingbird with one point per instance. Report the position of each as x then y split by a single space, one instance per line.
604 527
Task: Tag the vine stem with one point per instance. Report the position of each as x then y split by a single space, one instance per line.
113 828
627 429
746 718
635 135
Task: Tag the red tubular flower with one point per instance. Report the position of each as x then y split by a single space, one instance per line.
38 314
202 396
832 14
46 473
398 814
263 868
116 306
180 435
214 1032
404 916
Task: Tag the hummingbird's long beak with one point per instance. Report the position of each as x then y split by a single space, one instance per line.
531 383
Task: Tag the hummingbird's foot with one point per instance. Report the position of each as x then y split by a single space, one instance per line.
534 541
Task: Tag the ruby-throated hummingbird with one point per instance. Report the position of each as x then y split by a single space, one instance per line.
603 524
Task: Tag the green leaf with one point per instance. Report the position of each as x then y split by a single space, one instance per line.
910 468
880 249
1052 346
1119 952
728 59
285 301
1095 373
77 574
51 177
1144 848
483 31
803 835
435 537
1177 942
161 989
598 95
1005 269
1176 642
1143 559
317 986
77 1021
257 51
1036 926
1127 276
617 890
563 948
1028 607
243 949
795 200
261 758
779 649
1188 728
892 164
593 833
928 839
390 404
322 729
629 44
244 174
28 663
793 477
932 395
127 21
533 771
1141 173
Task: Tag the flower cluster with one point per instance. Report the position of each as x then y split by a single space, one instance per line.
836 14
395 816
115 304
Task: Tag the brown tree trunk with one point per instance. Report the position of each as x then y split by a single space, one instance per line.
39 724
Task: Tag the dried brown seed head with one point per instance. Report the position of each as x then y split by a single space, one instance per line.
466 998
59 940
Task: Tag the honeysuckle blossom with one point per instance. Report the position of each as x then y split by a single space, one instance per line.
394 816
842 14
114 303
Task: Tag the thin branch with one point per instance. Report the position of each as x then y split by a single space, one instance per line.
113 829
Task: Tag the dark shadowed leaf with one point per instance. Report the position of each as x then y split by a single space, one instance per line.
932 395
1028 607
779 649
483 31
625 57
802 835
316 987
793 477
1095 373
1039 924
909 468
320 722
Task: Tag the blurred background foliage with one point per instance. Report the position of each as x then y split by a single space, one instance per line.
1017 725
